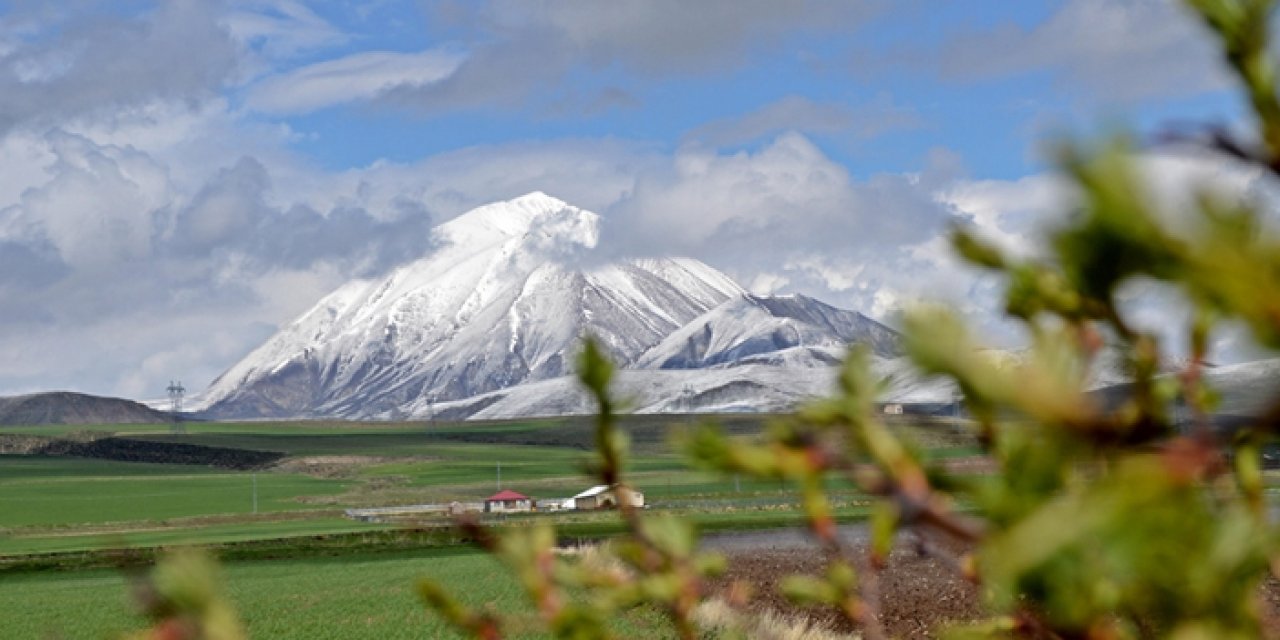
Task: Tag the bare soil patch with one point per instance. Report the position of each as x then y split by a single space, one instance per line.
918 594
334 466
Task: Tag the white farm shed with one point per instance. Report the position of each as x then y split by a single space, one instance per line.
606 497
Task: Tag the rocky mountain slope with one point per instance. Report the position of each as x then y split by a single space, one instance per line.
781 330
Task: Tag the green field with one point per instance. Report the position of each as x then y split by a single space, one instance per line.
297 568
347 597
64 504
68 491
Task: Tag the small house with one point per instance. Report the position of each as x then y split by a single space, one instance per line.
508 501
606 497
892 409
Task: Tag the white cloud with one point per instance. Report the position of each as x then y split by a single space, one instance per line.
73 66
838 276
706 197
1018 214
1011 213
361 76
785 217
590 173
767 283
98 208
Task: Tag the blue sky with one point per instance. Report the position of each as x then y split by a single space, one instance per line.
180 178
878 68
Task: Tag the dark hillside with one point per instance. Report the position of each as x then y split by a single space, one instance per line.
65 407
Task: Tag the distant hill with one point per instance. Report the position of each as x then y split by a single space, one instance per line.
65 407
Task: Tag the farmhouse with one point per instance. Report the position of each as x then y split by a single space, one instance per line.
606 497
508 501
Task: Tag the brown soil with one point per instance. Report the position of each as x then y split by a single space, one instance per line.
918 594
334 466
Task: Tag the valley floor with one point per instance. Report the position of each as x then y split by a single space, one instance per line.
292 561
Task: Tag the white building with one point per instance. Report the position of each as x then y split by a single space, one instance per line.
606 497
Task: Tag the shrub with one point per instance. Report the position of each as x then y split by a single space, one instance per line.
1103 520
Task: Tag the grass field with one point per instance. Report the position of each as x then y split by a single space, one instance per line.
347 597
50 504
69 507
67 491
296 568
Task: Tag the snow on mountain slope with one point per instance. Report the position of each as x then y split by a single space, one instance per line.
747 388
790 330
741 388
1245 388
498 303
759 387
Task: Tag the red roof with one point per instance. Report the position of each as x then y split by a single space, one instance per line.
506 495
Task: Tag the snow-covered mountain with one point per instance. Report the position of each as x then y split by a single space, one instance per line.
501 302
780 330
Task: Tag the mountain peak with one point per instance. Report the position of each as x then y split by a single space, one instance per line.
518 216
539 200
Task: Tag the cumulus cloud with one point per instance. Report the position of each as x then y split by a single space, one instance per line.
591 173
787 191
1017 214
88 60
1012 213
98 207
709 197
105 253
785 217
